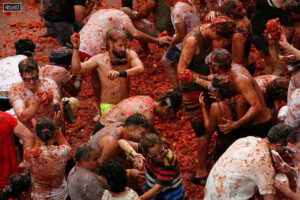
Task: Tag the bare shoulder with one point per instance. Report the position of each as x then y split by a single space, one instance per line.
109 140
131 54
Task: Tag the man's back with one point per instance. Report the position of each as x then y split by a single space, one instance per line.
47 166
93 34
84 184
245 166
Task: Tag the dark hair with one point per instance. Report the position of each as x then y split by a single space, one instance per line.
224 86
280 133
45 123
137 119
18 183
25 47
62 56
290 6
294 137
83 153
175 100
149 140
115 174
115 34
233 8
275 90
28 65
223 26
222 57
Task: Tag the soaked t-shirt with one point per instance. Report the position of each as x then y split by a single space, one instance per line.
25 97
128 107
47 166
244 167
187 13
93 34
293 115
84 184
59 74
131 195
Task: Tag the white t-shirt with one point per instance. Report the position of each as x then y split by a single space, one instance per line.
131 195
187 13
93 34
47 166
9 72
293 115
244 167
84 184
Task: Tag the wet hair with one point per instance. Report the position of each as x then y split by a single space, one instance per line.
223 26
137 119
115 174
224 86
294 137
174 98
62 56
28 65
222 57
45 123
232 8
275 90
279 133
83 153
18 183
25 47
115 34
149 140
291 6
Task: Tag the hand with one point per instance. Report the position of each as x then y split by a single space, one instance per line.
282 186
113 74
228 126
164 40
75 40
211 16
186 76
285 168
136 174
283 41
201 99
57 118
40 97
34 122
134 15
214 95
138 160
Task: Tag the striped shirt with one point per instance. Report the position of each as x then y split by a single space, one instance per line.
167 174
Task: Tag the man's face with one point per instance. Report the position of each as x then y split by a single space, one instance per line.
136 132
31 79
296 149
119 48
92 163
157 153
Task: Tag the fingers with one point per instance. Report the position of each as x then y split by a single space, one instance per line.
75 40
113 74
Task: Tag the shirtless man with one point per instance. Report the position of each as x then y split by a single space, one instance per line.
257 119
167 105
114 68
105 141
34 97
195 47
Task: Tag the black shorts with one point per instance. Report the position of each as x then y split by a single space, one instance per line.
173 54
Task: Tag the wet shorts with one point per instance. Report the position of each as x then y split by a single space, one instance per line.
173 54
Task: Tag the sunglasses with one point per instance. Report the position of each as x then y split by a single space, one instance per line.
32 78
156 154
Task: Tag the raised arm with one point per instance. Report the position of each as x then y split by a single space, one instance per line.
210 119
24 134
284 43
146 9
238 48
77 66
188 51
82 11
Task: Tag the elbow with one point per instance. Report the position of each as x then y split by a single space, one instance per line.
23 118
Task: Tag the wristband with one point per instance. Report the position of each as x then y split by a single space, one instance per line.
194 79
128 155
75 48
128 172
123 73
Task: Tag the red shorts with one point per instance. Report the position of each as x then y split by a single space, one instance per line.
84 56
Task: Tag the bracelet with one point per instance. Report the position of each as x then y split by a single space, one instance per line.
75 48
128 172
128 155
123 73
78 79
194 79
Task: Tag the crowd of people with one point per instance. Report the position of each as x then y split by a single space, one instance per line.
206 59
